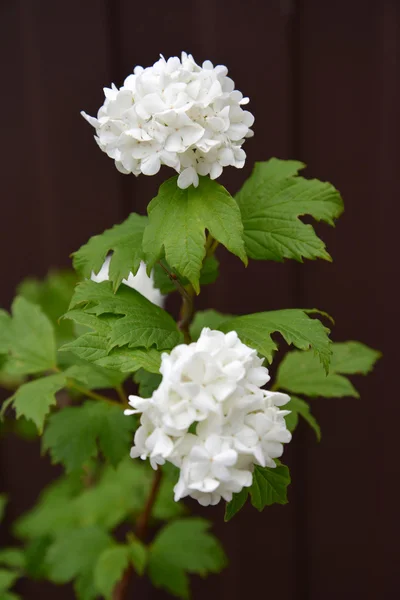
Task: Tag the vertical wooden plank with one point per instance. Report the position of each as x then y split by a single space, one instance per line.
254 42
349 135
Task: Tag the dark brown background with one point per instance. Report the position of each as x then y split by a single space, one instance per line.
324 82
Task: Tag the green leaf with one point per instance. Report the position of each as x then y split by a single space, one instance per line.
300 407
237 503
178 220
147 382
85 588
5 328
75 552
3 504
295 326
7 580
184 546
269 486
162 281
35 553
141 323
271 201
207 318
12 557
301 373
34 399
292 420
128 360
53 295
95 377
110 568
138 555
72 434
10 596
124 240
33 347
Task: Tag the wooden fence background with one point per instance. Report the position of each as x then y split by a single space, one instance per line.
324 83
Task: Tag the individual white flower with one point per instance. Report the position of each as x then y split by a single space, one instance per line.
211 418
140 282
178 114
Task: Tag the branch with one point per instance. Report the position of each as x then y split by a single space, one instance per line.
119 592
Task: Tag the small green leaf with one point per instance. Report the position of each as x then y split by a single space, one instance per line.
72 434
207 318
301 373
12 557
34 399
178 220
138 555
162 281
184 546
124 240
95 377
128 360
300 407
271 201
53 295
110 568
33 347
3 504
237 502
147 382
7 580
141 323
76 552
269 486
295 326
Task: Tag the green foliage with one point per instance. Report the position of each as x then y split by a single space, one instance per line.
124 241
182 547
76 552
3 504
53 295
34 399
74 434
295 326
7 580
93 376
32 345
207 318
110 567
178 220
147 382
301 373
209 273
66 504
269 486
141 323
12 557
237 503
271 201
138 555
93 346
300 407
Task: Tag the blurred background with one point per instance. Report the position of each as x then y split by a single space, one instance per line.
324 82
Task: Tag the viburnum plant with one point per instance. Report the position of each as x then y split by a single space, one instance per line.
202 423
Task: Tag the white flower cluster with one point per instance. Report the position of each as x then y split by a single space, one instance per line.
210 417
178 114
140 282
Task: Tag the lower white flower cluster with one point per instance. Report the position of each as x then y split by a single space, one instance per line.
211 418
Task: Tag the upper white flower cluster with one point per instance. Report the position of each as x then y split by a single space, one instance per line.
178 114
210 417
140 282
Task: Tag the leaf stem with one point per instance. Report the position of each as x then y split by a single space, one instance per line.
89 393
119 592
187 308
121 395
